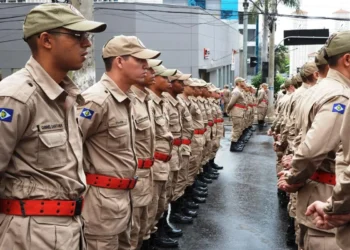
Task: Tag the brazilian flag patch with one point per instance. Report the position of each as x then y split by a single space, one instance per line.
87 113
6 115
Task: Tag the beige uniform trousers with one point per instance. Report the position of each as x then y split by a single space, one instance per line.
197 144
139 226
120 241
182 178
41 232
170 187
207 147
262 111
156 207
237 124
318 240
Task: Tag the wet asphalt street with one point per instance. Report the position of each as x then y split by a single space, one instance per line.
242 210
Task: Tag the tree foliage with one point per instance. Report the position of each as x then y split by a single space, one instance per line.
279 80
282 59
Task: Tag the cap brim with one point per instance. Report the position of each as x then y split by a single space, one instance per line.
168 72
87 26
154 63
184 77
146 54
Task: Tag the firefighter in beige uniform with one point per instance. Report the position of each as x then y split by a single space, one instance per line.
176 111
262 105
162 156
226 96
42 178
185 150
313 165
236 108
108 130
144 147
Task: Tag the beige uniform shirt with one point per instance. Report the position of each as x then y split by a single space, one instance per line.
323 117
219 126
164 137
208 110
196 113
144 146
262 99
175 122
214 115
237 98
41 147
187 123
227 95
201 105
108 130
281 112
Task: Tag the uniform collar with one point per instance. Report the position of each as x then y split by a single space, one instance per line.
171 99
339 77
141 95
186 100
113 88
49 86
154 97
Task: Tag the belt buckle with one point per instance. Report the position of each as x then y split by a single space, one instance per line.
78 206
131 181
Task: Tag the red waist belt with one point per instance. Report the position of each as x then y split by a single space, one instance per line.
41 207
145 163
177 142
219 120
105 181
199 131
186 141
251 105
162 157
240 106
210 123
264 101
324 177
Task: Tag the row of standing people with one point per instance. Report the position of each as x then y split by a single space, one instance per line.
241 105
100 170
311 138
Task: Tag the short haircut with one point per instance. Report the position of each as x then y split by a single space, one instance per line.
32 43
333 60
108 63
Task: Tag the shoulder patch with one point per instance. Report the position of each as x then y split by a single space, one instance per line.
6 115
87 113
338 108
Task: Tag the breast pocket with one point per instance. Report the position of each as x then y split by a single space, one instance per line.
161 127
143 128
53 149
118 137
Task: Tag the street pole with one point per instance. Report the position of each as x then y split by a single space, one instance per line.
245 38
271 77
86 76
265 36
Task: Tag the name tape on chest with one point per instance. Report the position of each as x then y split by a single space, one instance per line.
138 121
87 113
50 127
338 108
6 115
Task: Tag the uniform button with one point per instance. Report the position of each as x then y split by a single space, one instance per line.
30 84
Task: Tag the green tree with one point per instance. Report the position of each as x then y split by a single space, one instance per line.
282 59
257 80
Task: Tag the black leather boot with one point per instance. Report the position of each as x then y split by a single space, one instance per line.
204 179
162 241
146 245
214 165
198 193
176 215
199 199
191 204
236 147
185 210
198 183
169 229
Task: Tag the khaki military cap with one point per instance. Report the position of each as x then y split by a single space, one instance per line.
338 43
282 86
128 45
50 16
319 58
288 83
199 82
239 79
188 82
192 82
308 69
298 78
154 62
162 71
180 76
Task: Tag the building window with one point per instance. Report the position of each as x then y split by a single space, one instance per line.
200 3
